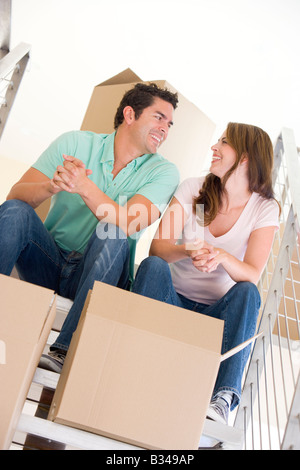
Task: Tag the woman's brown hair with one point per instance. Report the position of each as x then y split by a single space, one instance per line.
246 140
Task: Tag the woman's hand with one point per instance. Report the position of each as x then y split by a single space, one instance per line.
204 256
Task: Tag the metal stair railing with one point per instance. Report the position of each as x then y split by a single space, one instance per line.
12 68
269 412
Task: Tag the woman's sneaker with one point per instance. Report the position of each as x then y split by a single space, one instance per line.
218 410
53 361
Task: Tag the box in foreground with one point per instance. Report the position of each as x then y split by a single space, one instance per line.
139 371
26 316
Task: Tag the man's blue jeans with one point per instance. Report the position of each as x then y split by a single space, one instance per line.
26 243
238 308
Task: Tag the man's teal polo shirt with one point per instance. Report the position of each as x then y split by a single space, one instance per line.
69 220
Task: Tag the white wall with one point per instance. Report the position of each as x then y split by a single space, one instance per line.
11 171
237 60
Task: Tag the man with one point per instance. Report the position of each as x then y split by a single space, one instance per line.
105 190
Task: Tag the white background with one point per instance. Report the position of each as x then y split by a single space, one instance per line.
237 60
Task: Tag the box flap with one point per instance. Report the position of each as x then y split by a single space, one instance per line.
156 317
239 347
23 307
127 76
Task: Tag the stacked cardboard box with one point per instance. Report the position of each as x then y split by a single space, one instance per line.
26 316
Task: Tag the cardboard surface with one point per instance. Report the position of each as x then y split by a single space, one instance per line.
139 370
26 316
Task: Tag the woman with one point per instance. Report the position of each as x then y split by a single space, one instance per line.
217 258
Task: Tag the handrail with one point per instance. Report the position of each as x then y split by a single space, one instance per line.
11 59
12 68
293 171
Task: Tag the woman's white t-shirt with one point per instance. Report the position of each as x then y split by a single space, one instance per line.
207 288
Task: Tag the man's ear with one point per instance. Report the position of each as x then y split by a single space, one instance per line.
129 114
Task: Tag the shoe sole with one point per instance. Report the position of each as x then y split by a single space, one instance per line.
211 414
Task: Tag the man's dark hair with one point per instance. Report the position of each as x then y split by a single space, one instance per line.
142 96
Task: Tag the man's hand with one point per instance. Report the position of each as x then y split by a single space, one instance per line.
71 176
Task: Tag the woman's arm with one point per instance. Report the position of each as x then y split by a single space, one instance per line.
169 232
250 269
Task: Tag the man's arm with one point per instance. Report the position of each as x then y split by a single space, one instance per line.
137 214
34 188
37 185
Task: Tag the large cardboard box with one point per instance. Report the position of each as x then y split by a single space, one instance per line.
189 139
26 316
139 371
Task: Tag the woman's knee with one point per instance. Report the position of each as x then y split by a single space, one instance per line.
247 291
153 270
153 279
153 264
246 288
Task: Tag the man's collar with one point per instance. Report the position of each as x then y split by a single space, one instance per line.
108 154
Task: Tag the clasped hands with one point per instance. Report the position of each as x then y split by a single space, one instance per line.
71 176
204 256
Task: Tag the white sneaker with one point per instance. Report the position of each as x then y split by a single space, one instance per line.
218 410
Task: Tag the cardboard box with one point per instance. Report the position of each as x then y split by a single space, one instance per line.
26 316
139 371
189 139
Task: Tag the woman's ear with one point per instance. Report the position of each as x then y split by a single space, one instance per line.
244 158
129 114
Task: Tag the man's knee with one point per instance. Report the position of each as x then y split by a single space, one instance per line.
110 238
109 232
15 209
16 219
